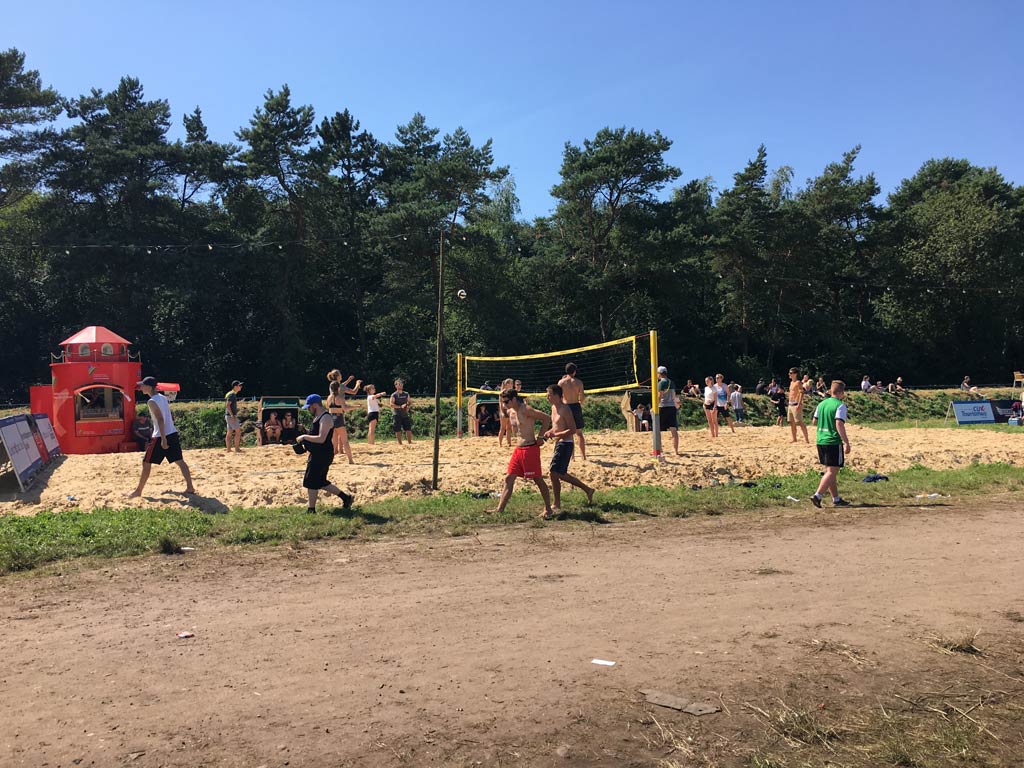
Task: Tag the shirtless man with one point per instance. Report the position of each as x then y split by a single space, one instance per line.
572 393
525 461
795 407
562 428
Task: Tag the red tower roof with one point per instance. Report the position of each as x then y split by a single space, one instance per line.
95 334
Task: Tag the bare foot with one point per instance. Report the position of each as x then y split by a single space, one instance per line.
547 514
133 495
190 491
590 495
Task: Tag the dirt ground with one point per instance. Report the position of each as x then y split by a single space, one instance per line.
271 476
478 650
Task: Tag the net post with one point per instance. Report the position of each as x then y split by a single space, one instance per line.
458 396
655 411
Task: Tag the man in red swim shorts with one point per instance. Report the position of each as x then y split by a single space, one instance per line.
525 461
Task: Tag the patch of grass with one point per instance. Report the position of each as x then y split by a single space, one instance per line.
761 760
940 424
27 542
965 644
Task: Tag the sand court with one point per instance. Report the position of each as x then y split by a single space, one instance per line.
272 475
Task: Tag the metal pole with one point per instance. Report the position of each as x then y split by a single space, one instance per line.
655 399
458 395
437 361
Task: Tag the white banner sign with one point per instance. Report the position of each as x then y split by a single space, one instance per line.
46 430
21 448
973 412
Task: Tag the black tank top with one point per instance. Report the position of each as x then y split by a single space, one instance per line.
324 450
401 398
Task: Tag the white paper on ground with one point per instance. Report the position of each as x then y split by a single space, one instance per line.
602 662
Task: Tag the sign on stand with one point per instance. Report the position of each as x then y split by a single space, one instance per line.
973 412
21 447
49 436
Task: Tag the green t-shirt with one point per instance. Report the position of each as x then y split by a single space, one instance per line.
828 412
667 391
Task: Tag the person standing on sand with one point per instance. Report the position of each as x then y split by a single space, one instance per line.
231 417
562 429
710 406
525 461
372 412
320 454
504 425
401 403
573 396
668 415
165 443
722 401
830 418
795 408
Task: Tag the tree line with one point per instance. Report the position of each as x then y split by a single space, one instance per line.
306 243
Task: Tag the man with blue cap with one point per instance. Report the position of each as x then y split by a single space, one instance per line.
317 443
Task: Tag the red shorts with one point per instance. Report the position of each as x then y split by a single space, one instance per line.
525 461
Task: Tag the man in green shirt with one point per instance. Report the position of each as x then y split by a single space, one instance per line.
833 444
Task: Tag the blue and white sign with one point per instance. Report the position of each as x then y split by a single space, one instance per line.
973 412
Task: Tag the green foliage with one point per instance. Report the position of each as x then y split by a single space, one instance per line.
326 244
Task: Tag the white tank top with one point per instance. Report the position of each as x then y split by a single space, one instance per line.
159 402
372 404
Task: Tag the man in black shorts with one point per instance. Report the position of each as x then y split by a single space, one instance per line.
401 403
165 443
563 426
833 443
667 406
320 452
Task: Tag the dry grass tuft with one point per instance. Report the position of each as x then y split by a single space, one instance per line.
960 644
848 652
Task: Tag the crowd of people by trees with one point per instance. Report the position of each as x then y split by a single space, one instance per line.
304 239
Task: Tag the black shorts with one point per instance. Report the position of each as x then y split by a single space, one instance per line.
831 455
669 417
316 471
723 410
710 407
563 455
339 420
372 416
155 453
402 421
577 414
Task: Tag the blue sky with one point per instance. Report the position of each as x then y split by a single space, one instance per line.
907 80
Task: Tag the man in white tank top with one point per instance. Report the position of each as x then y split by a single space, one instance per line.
165 443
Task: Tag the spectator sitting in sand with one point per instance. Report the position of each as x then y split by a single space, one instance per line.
877 388
821 388
865 384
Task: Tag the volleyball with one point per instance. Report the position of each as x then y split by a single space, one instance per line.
461 294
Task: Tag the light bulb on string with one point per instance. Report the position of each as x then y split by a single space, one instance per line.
280 247
67 252
209 247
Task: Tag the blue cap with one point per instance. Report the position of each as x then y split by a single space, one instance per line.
312 399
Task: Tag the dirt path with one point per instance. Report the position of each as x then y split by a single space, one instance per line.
271 476
454 651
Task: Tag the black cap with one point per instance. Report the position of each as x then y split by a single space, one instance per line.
149 381
236 383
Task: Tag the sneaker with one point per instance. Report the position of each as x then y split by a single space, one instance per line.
816 500
840 503
346 500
